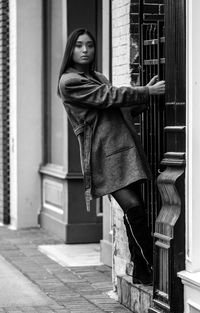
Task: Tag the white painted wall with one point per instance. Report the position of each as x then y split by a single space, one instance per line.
107 241
26 110
191 277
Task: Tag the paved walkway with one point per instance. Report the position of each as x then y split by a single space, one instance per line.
31 282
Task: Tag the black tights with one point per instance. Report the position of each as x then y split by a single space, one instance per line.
129 197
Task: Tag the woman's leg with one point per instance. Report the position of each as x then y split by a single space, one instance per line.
139 237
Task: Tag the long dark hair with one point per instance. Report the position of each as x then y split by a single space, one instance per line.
67 58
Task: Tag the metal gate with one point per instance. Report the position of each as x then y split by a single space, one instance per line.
152 121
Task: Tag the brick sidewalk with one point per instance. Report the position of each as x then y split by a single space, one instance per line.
73 289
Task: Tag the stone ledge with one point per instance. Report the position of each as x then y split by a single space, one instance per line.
136 297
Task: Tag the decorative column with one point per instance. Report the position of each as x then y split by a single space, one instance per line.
25 84
169 242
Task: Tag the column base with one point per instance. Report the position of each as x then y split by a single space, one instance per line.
71 233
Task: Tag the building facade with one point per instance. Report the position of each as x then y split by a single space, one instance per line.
40 175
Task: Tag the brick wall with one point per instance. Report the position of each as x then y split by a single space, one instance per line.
4 111
120 42
120 76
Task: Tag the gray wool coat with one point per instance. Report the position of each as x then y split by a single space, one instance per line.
101 116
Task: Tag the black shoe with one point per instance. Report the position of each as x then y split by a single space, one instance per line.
142 274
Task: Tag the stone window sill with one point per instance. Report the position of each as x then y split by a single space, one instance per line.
190 279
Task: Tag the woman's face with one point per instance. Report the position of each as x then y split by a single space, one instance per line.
83 53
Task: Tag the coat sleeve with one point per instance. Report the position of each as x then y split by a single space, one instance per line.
80 91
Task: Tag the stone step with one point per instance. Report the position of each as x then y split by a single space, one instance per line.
136 297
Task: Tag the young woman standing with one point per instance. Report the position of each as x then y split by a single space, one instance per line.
112 157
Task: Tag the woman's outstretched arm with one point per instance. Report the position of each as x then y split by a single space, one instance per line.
80 90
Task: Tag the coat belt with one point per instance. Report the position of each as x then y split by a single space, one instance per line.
86 129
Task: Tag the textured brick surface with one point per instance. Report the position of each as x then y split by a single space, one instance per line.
120 42
73 289
120 76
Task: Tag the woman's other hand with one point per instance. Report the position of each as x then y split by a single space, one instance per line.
153 81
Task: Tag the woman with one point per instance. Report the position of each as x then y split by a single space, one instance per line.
112 158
